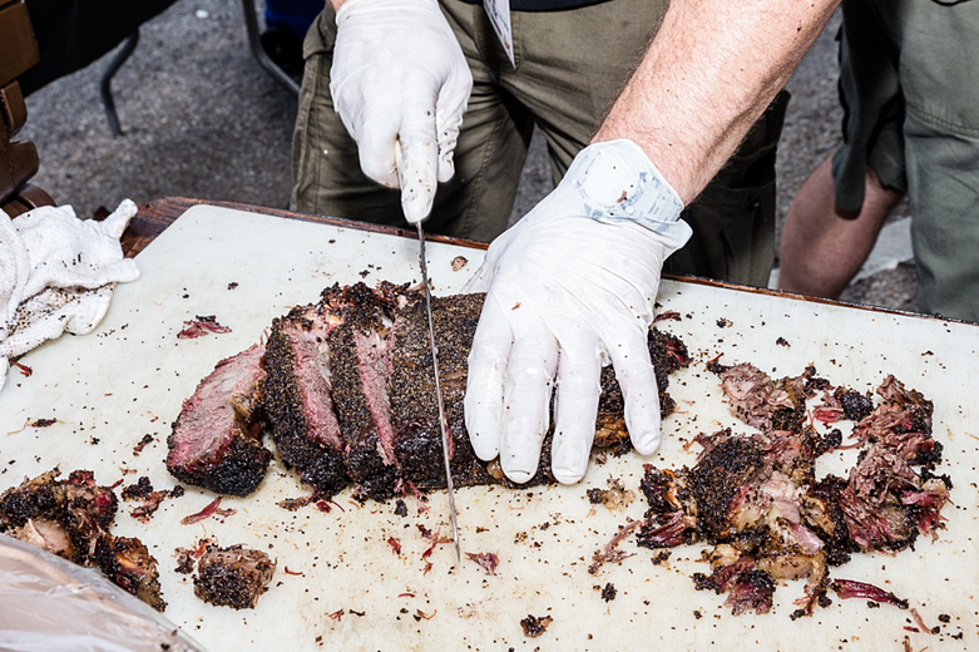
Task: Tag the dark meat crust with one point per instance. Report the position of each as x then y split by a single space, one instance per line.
128 563
821 511
414 406
215 442
242 468
292 352
723 471
233 577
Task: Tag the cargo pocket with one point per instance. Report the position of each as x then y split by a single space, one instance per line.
314 98
733 219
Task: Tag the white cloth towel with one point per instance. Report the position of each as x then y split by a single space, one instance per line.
57 274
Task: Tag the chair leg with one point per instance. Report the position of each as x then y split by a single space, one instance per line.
255 44
106 85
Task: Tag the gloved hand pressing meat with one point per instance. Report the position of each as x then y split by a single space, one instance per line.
400 79
57 273
570 288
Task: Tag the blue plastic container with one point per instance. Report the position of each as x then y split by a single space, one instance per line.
294 15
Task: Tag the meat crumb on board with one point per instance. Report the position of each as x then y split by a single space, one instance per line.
201 325
149 498
609 592
234 577
533 626
488 561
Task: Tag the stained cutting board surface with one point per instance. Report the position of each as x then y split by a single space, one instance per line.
339 582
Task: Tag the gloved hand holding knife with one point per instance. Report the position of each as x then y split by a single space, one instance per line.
400 83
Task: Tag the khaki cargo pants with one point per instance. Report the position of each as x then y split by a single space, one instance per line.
909 85
570 66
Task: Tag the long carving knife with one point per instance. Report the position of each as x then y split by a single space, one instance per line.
443 426
438 392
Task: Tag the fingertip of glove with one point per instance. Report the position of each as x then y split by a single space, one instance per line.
417 206
447 168
646 443
567 476
485 448
519 476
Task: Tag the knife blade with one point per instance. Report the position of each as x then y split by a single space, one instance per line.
435 366
438 392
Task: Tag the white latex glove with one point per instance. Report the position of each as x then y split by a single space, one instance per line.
56 274
400 79
570 288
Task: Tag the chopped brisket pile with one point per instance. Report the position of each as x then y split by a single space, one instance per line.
232 577
215 442
347 390
71 518
755 498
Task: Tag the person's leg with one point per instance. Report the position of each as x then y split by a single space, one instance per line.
835 218
820 251
489 155
572 64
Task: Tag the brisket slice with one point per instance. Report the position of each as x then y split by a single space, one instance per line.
361 367
297 398
216 440
414 407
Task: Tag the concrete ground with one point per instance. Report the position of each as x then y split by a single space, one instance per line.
202 119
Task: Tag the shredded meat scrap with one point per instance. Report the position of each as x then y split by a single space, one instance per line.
756 500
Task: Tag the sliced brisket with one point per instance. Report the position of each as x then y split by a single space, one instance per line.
349 394
216 441
297 394
361 367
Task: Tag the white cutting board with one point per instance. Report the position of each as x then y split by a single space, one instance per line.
110 388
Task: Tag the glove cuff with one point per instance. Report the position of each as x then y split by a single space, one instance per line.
616 182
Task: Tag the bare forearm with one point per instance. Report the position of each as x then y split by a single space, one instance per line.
708 75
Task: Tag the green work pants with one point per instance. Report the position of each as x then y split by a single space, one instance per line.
570 65
909 85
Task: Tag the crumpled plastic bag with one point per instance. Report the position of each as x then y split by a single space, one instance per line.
57 274
48 603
